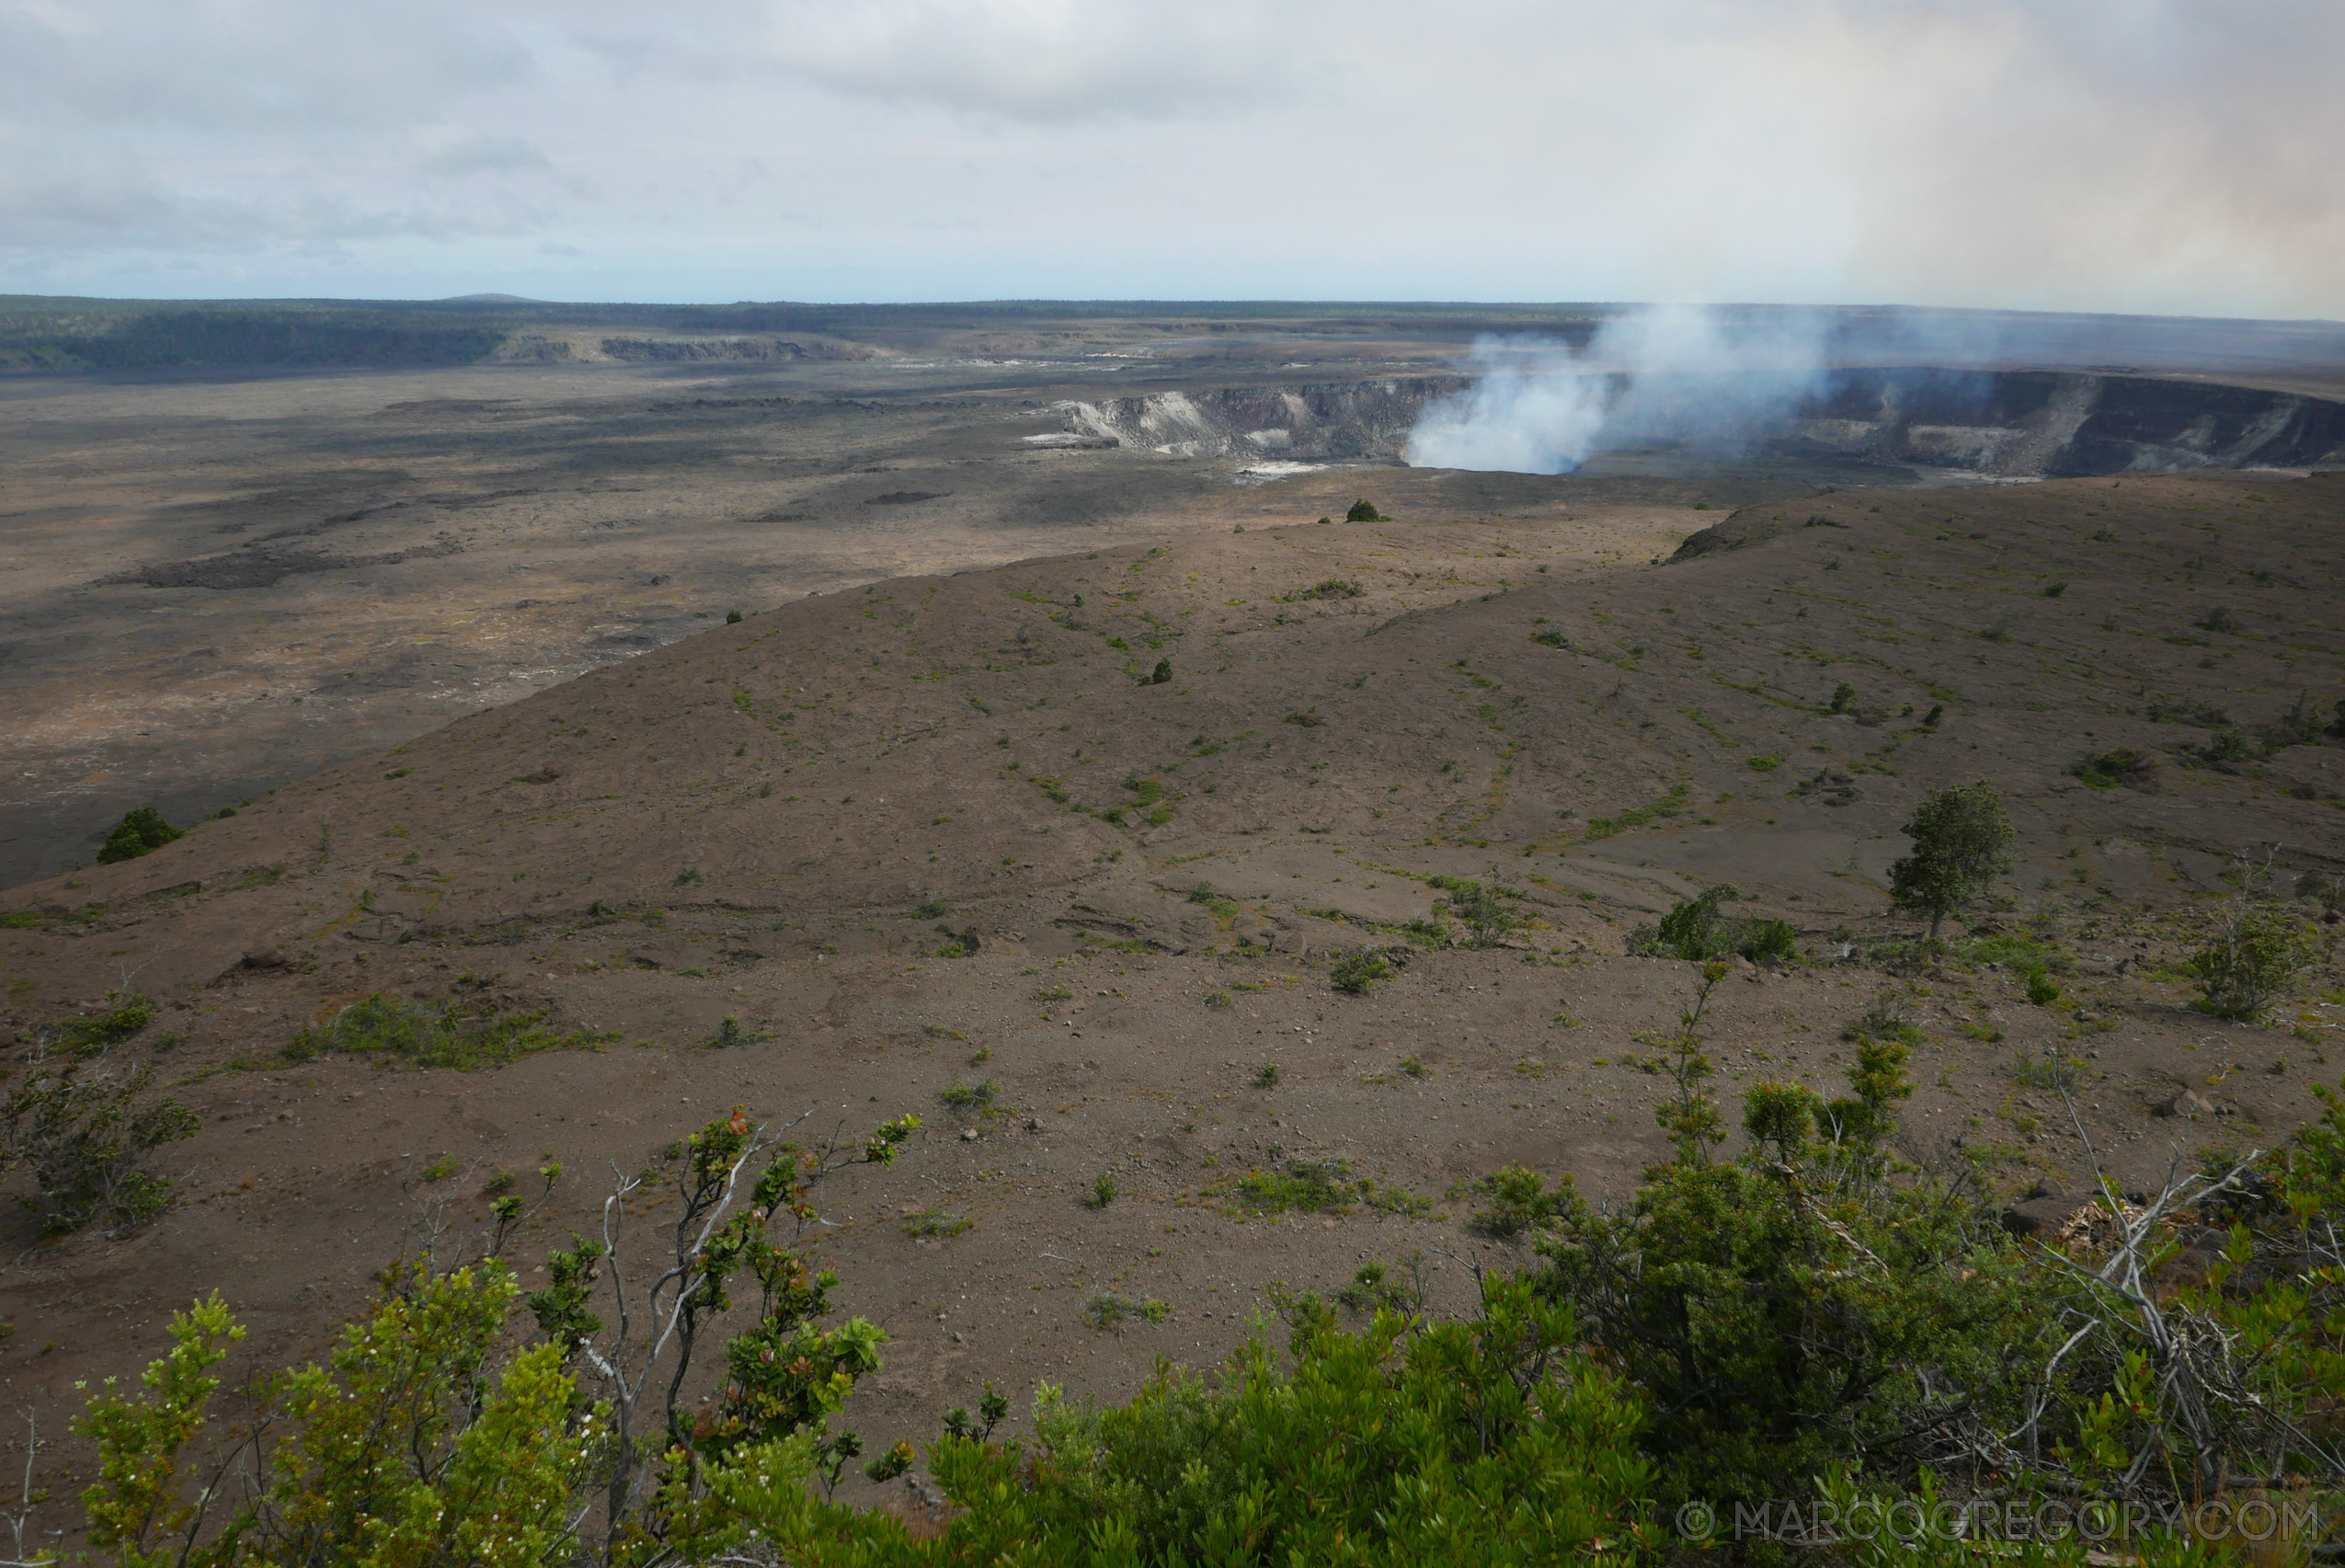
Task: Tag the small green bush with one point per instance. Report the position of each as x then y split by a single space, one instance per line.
1842 696
1519 1202
449 1034
934 1222
1312 1186
2107 770
1697 929
79 1127
1483 907
732 617
729 1036
969 1096
1326 587
1356 971
83 1034
1364 512
1162 674
1374 1287
1113 1311
141 831
1102 1192
2253 954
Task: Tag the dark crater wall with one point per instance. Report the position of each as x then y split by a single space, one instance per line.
2013 424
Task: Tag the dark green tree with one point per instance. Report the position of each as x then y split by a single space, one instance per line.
1961 842
141 831
1365 512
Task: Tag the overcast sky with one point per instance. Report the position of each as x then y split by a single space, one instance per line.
2164 155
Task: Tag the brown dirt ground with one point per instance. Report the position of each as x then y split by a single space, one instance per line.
745 824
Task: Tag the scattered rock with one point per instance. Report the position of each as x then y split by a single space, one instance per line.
968 1135
2188 1103
267 958
2036 1215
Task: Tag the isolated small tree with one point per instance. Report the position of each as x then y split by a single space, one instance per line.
141 831
1961 842
1162 673
1365 512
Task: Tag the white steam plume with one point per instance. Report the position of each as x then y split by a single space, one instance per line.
1684 375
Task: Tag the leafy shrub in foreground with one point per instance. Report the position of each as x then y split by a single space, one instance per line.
1489 1441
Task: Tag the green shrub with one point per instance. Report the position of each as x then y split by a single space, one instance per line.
432 1434
1268 1077
1102 1192
1489 1441
1842 696
1355 970
2255 953
141 831
1699 930
969 1096
1113 1311
450 1035
1374 1287
1797 1308
934 1222
1519 1202
1312 1186
1364 512
1551 637
729 1034
1161 674
2043 990
78 1127
2326 888
732 617
82 1034
1483 907
1326 587
2107 770
2229 745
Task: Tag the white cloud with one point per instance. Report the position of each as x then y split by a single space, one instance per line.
2160 154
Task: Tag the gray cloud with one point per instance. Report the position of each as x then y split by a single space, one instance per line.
2157 154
